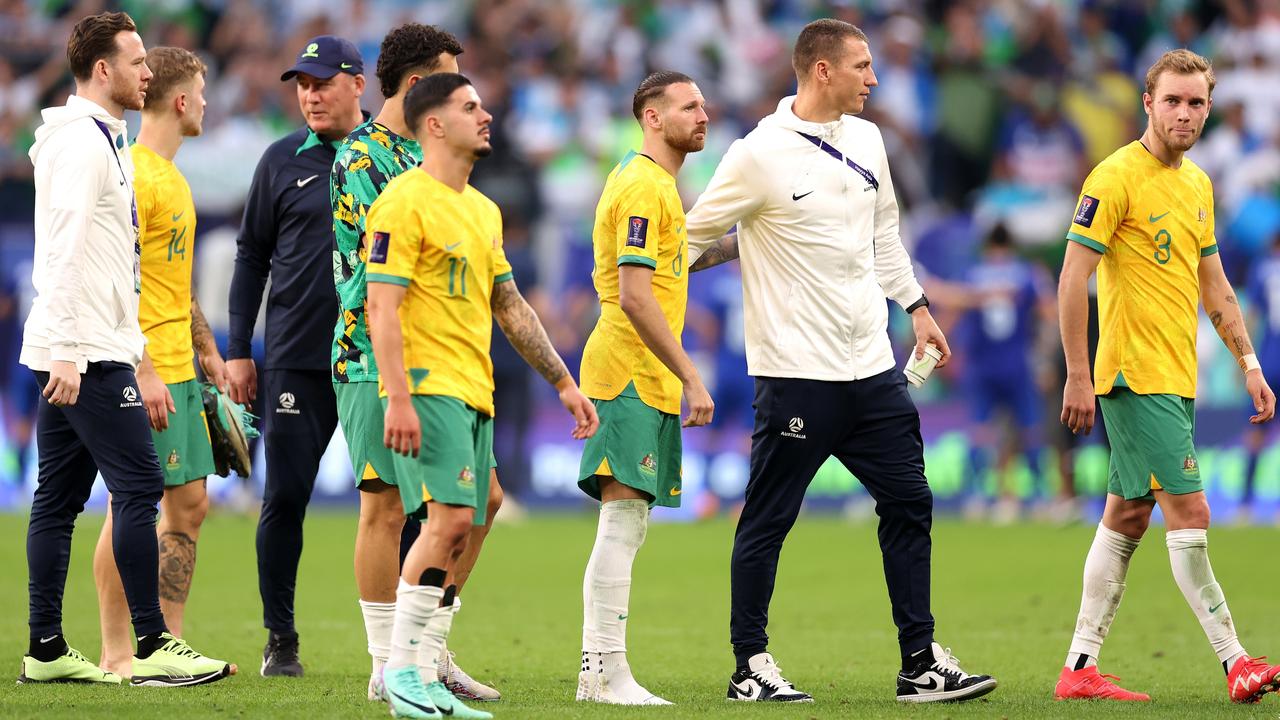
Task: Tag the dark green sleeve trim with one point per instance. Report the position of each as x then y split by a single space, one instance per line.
1207 251
1091 244
388 279
504 277
638 260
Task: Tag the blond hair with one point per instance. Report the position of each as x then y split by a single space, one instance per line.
1180 62
170 67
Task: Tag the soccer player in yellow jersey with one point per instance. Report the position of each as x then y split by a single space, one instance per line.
176 333
437 280
635 370
1145 223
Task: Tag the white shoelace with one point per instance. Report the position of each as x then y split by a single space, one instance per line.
771 674
949 664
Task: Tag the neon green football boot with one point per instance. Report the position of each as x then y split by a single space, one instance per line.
176 664
450 705
72 667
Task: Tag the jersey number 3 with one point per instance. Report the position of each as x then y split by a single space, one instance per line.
1163 240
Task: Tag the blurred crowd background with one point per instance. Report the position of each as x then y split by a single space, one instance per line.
993 112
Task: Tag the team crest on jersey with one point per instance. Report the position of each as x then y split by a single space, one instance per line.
173 463
381 243
648 465
1203 215
637 231
466 478
1189 464
1084 213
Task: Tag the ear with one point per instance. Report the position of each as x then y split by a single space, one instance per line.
1147 101
100 70
822 71
180 103
432 126
413 80
652 118
359 84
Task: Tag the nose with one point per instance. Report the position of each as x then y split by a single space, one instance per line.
485 117
702 116
872 81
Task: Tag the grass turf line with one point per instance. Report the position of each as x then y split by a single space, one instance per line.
1005 599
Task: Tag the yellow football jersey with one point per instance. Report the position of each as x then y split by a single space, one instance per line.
167 223
1152 224
445 247
639 221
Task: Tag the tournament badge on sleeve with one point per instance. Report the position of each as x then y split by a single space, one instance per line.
230 428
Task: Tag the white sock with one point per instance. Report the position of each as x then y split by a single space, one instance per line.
1189 557
378 619
1104 570
415 606
434 636
606 588
1079 661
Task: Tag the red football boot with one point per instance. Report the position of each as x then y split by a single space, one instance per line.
1251 678
1088 684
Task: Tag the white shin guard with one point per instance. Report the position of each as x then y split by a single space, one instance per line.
1189 558
1105 568
606 588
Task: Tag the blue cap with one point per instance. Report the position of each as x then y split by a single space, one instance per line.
325 56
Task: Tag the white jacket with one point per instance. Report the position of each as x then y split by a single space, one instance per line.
818 242
86 272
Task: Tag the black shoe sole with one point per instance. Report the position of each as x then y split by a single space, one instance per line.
24 680
969 693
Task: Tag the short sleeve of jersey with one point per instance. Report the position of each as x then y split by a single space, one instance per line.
1102 206
638 214
1209 240
501 266
395 236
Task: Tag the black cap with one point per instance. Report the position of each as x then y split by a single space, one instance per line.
325 56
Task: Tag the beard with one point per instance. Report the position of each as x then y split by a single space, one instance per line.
192 127
483 151
1177 142
125 94
686 143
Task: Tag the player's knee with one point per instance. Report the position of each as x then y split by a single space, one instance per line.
496 496
187 516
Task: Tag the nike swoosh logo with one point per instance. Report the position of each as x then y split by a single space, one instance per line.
1156 218
427 709
303 183
675 492
178 217
52 637
344 66
622 617
449 248
797 197
1214 608
749 692
934 684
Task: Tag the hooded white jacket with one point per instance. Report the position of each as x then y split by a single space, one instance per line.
818 242
85 272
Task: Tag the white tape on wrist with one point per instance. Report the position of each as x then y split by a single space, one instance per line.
1250 362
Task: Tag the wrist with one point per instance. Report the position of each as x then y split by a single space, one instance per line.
1248 363
917 306
564 383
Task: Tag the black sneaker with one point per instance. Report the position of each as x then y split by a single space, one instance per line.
762 681
280 656
938 678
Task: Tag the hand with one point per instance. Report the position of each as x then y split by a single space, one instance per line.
1264 400
701 407
215 370
63 387
927 331
242 375
403 433
1078 404
156 399
586 421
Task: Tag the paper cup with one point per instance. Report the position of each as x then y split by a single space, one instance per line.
917 371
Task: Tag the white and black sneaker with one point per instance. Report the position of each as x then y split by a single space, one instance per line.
762 681
937 677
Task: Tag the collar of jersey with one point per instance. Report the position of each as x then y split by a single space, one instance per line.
314 140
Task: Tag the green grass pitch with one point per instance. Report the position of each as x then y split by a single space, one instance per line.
1005 599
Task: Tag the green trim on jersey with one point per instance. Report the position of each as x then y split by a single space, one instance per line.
1091 244
367 160
1207 251
638 260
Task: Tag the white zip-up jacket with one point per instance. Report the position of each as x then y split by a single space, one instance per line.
818 242
85 271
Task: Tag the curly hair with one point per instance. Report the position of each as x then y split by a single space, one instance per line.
410 47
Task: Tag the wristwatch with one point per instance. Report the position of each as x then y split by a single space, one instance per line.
922 302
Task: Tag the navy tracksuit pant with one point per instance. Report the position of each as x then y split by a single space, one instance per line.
300 414
870 425
105 430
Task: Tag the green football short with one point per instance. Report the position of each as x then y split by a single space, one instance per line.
360 412
183 448
452 466
637 445
1152 444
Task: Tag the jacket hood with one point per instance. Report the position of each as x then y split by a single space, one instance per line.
784 118
56 118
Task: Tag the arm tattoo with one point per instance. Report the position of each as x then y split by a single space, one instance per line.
1231 300
177 564
521 326
725 249
1216 317
201 333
